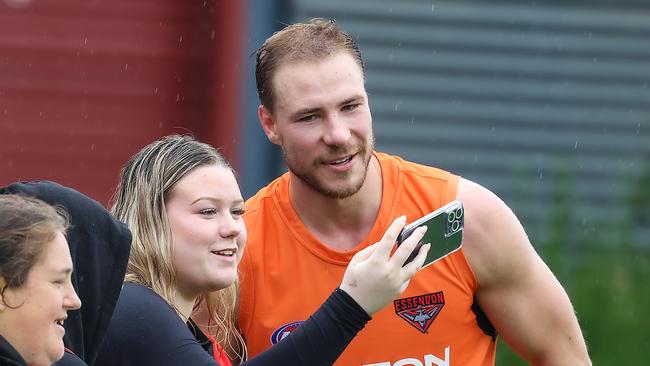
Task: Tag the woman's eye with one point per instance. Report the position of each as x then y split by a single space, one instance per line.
237 211
208 211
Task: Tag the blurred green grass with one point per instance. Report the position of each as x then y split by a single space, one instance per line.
609 290
606 272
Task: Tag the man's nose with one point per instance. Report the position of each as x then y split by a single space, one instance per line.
337 131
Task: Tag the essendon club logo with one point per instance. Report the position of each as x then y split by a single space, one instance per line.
284 331
420 311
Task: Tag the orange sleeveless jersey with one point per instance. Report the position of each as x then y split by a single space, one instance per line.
286 274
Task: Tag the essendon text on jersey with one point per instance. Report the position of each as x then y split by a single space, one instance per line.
420 311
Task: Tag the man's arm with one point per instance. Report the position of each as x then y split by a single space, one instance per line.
516 290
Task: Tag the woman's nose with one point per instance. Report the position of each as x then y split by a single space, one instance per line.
71 300
232 228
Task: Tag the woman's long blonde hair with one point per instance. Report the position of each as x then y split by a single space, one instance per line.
139 201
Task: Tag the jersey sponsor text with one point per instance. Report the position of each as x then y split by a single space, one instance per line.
429 360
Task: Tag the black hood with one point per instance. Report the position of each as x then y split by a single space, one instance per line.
9 356
99 246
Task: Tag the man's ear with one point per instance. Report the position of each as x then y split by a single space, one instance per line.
268 124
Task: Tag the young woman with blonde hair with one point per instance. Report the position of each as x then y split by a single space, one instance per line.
183 205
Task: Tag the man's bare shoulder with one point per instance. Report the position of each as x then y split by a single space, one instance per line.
493 236
514 282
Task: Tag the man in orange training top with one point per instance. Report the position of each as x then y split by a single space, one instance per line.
340 195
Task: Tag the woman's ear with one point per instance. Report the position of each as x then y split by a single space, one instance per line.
3 285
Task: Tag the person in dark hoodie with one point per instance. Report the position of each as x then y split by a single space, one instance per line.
35 281
99 246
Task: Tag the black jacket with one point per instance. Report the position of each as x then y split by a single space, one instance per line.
9 356
146 330
99 246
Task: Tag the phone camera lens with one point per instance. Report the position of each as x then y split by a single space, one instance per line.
455 225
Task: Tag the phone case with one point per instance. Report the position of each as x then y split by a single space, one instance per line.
444 232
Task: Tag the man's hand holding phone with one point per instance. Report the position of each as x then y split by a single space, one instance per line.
374 277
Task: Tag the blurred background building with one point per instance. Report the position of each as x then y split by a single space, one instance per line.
547 103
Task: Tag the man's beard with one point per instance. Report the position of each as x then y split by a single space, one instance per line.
363 151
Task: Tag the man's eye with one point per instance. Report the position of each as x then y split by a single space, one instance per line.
308 118
350 107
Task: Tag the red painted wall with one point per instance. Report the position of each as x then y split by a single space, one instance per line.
85 84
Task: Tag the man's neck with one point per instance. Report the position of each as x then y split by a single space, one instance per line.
341 224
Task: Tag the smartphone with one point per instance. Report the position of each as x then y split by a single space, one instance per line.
444 232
